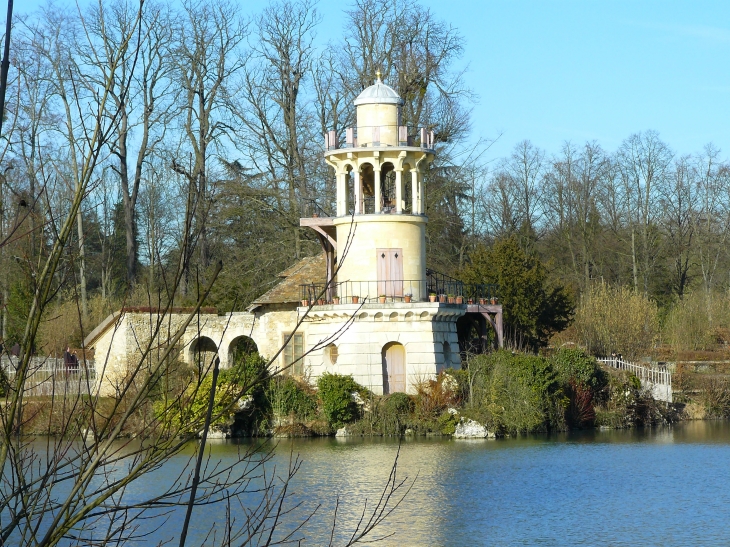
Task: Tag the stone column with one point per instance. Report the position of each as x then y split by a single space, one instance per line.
376 183
341 194
398 191
421 196
358 191
415 181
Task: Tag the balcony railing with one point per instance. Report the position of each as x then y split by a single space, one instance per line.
439 283
366 292
369 292
380 136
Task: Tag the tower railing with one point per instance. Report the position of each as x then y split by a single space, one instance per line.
366 292
371 135
440 283
312 208
398 290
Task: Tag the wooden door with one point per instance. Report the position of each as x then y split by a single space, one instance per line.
390 272
394 369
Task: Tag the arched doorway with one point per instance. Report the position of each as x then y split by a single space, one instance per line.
394 368
203 352
240 347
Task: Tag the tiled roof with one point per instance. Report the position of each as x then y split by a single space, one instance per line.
311 269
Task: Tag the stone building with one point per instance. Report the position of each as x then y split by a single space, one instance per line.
367 305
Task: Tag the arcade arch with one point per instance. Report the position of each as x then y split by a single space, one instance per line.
203 352
240 347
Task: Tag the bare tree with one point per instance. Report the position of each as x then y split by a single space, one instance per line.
145 108
679 201
573 184
712 221
274 120
416 52
207 57
644 162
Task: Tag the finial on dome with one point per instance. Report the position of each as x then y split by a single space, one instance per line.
377 75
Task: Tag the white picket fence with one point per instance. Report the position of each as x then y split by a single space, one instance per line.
49 376
658 381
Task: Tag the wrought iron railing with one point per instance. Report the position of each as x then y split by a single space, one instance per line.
312 208
365 292
368 292
439 283
380 135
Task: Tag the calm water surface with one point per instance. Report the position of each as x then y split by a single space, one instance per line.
665 486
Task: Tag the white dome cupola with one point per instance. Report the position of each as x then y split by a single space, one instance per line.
378 93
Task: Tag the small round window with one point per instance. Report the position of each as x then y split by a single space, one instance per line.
331 353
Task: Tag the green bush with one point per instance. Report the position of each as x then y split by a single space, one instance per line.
335 393
447 423
288 397
575 365
517 393
186 413
398 404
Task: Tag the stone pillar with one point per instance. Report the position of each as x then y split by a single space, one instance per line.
341 194
415 181
378 195
421 195
358 191
398 191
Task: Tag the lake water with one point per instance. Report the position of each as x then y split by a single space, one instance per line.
664 486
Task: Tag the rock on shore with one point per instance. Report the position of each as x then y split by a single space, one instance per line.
469 429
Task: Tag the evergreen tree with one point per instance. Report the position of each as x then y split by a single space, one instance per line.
533 307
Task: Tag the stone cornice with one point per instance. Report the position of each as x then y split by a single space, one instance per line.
392 311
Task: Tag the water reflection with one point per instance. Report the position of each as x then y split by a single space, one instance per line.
661 486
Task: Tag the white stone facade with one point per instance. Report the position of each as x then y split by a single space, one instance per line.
427 331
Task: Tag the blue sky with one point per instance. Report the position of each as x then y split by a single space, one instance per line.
556 71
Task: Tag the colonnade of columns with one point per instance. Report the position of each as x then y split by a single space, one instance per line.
418 205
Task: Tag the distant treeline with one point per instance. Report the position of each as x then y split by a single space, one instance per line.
187 134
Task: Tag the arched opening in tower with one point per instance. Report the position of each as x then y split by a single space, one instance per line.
387 188
407 188
367 180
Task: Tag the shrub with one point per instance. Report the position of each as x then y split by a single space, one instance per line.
389 415
447 423
517 393
398 404
336 395
577 366
616 319
245 379
715 397
288 397
433 396
697 321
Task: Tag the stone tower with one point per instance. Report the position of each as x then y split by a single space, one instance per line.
380 199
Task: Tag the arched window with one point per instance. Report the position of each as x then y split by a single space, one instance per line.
331 353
